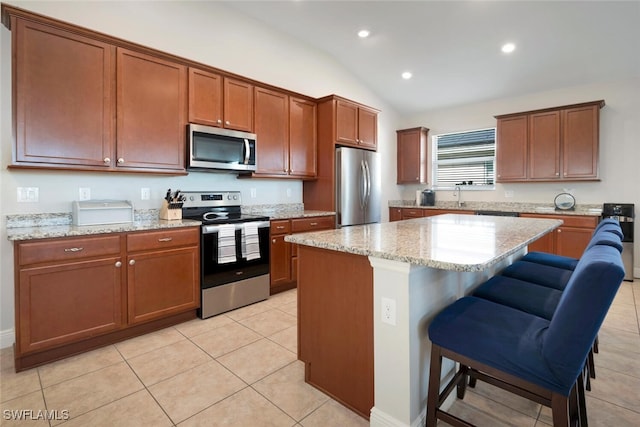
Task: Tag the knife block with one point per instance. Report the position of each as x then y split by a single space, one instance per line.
170 212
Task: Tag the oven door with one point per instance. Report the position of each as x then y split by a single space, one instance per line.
215 273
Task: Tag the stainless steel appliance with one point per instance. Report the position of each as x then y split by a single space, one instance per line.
234 251
211 148
428 198
625 214
358 183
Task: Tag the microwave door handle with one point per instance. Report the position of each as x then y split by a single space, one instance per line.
247 151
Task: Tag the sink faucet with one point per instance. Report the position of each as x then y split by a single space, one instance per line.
458 194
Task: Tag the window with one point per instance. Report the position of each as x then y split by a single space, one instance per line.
464 158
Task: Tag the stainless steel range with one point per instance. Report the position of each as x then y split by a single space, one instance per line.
234 250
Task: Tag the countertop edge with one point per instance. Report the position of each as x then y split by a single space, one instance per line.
528 208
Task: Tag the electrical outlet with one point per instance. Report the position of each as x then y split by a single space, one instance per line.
253 193
508 194
388 311
84 193
28 194
145 193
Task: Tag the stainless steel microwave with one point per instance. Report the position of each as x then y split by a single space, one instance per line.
212 148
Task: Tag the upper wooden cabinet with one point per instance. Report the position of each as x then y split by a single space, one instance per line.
152 112
64 97
554 144
219 101
286 130
356 125
302 138
272 130
81 103
412 155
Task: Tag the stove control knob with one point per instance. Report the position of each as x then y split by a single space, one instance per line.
192 198
235 197
229 196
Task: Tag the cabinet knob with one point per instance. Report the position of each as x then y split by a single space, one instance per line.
120 161
107 160
219 121
559 231
557 174
132 262
227 122
273 240
118 264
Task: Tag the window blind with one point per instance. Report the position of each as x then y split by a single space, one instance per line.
465 158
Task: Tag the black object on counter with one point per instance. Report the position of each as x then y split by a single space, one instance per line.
428 198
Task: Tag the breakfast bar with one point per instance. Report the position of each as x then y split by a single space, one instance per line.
366 295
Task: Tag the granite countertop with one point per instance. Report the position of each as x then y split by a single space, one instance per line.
449 242
284 211
535 208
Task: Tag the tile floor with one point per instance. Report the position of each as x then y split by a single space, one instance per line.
240 369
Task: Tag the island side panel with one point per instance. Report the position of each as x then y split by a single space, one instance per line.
335 325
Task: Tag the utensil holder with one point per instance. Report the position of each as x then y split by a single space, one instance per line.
171 211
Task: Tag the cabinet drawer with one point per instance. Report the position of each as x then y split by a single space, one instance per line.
569 220
282 226
163 239
68 249
310 224
412 213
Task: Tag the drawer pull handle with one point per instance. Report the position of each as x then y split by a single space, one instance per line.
132 262
165 239
118 264
73 249
280 227
313 224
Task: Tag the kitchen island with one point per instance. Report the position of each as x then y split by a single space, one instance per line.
366 295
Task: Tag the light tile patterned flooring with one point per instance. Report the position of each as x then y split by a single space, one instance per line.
240 369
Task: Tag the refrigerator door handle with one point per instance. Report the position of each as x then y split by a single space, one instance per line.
368 181
363 180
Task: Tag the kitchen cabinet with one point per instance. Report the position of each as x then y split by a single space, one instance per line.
356 125
77 293
433 212
395 214
555 144
412 155
272 130
67 290
286 130
64 98
284 255
151 112
302 138
216 100
570 239
408 213
337 118
163 271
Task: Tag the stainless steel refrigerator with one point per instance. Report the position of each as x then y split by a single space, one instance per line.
357 186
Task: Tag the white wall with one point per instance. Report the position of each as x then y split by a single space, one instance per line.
619 145
203 31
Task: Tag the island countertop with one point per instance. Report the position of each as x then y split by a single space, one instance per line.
450 242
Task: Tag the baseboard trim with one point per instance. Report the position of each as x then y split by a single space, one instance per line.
7 338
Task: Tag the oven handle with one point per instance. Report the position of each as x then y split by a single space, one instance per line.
208 229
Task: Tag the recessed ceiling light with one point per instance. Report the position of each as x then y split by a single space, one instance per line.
407 75
508 47
363 34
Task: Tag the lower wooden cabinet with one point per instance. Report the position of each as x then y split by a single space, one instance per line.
570 239
78 293
284 255
398 214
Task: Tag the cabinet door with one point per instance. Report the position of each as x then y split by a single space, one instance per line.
545 243
302 138
64 303
580 142
280 262
238 105
151 111
162 283
367 128
511 149
572 241
544 145
272 130
395 214
64 101
205 98
411 152
346 123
